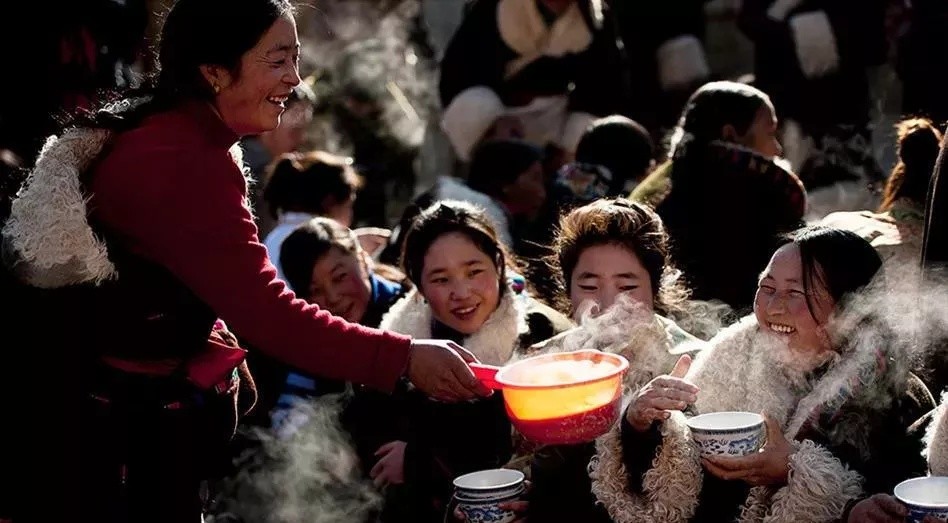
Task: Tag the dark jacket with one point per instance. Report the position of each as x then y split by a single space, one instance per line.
478 56
817 102
724 210
443 440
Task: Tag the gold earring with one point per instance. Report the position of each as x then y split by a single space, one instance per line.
217 88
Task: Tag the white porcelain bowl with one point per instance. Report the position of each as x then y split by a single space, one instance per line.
489 484
924 497
728 433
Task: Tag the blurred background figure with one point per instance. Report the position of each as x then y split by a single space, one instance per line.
301 187
897 227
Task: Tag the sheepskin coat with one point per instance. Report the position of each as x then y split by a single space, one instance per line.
850 437
447 440
561 484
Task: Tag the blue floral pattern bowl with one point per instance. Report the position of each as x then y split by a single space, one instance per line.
727 433
924 497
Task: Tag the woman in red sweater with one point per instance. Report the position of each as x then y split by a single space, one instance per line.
138 222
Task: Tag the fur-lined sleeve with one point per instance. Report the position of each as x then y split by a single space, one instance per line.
938 440
670 488
818 489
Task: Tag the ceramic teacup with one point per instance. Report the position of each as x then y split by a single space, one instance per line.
924 497
731 434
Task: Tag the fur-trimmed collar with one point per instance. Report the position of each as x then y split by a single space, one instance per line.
737 372
47 239
495 343
524 30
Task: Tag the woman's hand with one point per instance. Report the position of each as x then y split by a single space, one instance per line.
390 468
656 400
438 368
770 466
882 508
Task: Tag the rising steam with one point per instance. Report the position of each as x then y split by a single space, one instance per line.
305 470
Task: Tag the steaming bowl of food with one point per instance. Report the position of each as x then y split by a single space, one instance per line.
727 433
563 398
923 497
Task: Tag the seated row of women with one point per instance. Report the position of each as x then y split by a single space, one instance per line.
845 414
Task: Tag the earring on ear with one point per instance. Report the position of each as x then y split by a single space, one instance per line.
217 89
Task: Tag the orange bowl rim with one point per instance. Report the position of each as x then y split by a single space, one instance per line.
620 368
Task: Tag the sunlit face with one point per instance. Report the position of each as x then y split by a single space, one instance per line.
340 284
603 272
253 102
460 282
782 308
761 136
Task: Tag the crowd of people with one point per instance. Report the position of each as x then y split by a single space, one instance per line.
201 271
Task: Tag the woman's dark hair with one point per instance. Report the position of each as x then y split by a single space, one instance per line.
303 182
496 164
446 217
841 261
309 242
630 225
619 144
713 106
919 143
195 33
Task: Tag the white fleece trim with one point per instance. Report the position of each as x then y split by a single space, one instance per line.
671 487
523 29
468 117
494 343
937 439
681 62
48 230
817 491
574 128
815 44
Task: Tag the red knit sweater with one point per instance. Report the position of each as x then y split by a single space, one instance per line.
173 192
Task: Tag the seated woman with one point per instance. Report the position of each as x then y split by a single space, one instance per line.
461 274
724 190
838 410
324 263
618 280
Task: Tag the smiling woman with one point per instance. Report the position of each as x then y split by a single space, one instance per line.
466 292
144 276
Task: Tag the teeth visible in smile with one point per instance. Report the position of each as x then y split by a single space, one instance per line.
278 99
784 329
465 311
